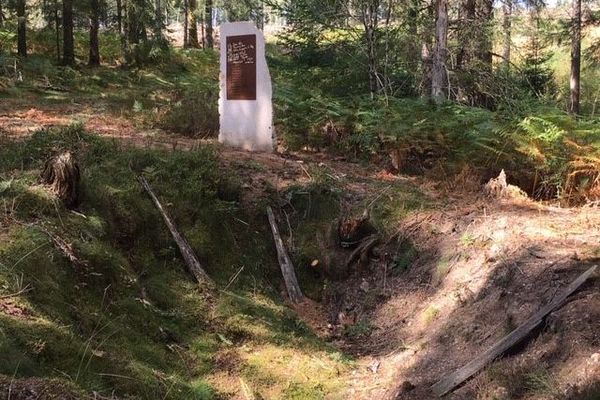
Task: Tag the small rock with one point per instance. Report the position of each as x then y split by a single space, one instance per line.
374 366
364 286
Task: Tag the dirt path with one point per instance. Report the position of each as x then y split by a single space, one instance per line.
477 269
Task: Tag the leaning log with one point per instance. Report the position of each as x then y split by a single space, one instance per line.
191 261
448 383
62 174
287 268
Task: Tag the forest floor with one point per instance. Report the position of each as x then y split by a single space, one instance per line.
456 273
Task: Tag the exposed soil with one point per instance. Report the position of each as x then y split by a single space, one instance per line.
480 268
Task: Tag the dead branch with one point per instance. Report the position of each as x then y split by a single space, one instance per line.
191 261
451 381
67 249
362 250
21 292
287 268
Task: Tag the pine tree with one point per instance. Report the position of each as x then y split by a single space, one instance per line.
94 58
68 39
21 28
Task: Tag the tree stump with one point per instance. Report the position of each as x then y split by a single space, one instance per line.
353 229
62 174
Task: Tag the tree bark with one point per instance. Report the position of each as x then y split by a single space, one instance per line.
62 174
507 7
209 25
186 20
193 24
439 79
21 28
68 41
57 31
467 16
486 16
158 23
413 32
575 81
370 20
94 59
125 32
120 16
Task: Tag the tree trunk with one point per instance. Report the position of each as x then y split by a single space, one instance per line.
1 15
68 41
467 11
413 32
575 56
186 17
203 32
369 14
209 25
136 31
439 79
158 23
94 59
125 32
57 30
486 16
120 16
193 24
507 28
21 28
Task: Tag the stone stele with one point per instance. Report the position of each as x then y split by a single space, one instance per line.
245 106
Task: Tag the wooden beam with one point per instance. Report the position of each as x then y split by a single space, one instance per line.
451 381
287 268
191 261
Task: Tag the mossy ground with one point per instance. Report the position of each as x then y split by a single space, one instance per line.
133 322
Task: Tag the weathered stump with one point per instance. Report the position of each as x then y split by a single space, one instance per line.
353 229
62 174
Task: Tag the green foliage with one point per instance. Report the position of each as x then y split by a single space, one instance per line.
132 321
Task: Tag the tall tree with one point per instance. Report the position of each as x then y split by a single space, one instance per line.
68 40
439 80
209 24
158 20
507 8
186 20
120 16
94 58
369 16
1 15
21 28
193 24
575 81
57 30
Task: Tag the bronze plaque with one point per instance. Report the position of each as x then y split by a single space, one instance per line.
241 67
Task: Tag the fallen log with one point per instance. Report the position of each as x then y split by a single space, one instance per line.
191 261
287 268
448 383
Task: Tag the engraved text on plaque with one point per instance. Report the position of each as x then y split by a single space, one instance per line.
241 67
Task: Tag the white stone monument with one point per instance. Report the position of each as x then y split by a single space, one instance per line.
245 107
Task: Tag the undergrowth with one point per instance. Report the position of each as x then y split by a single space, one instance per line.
129 319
